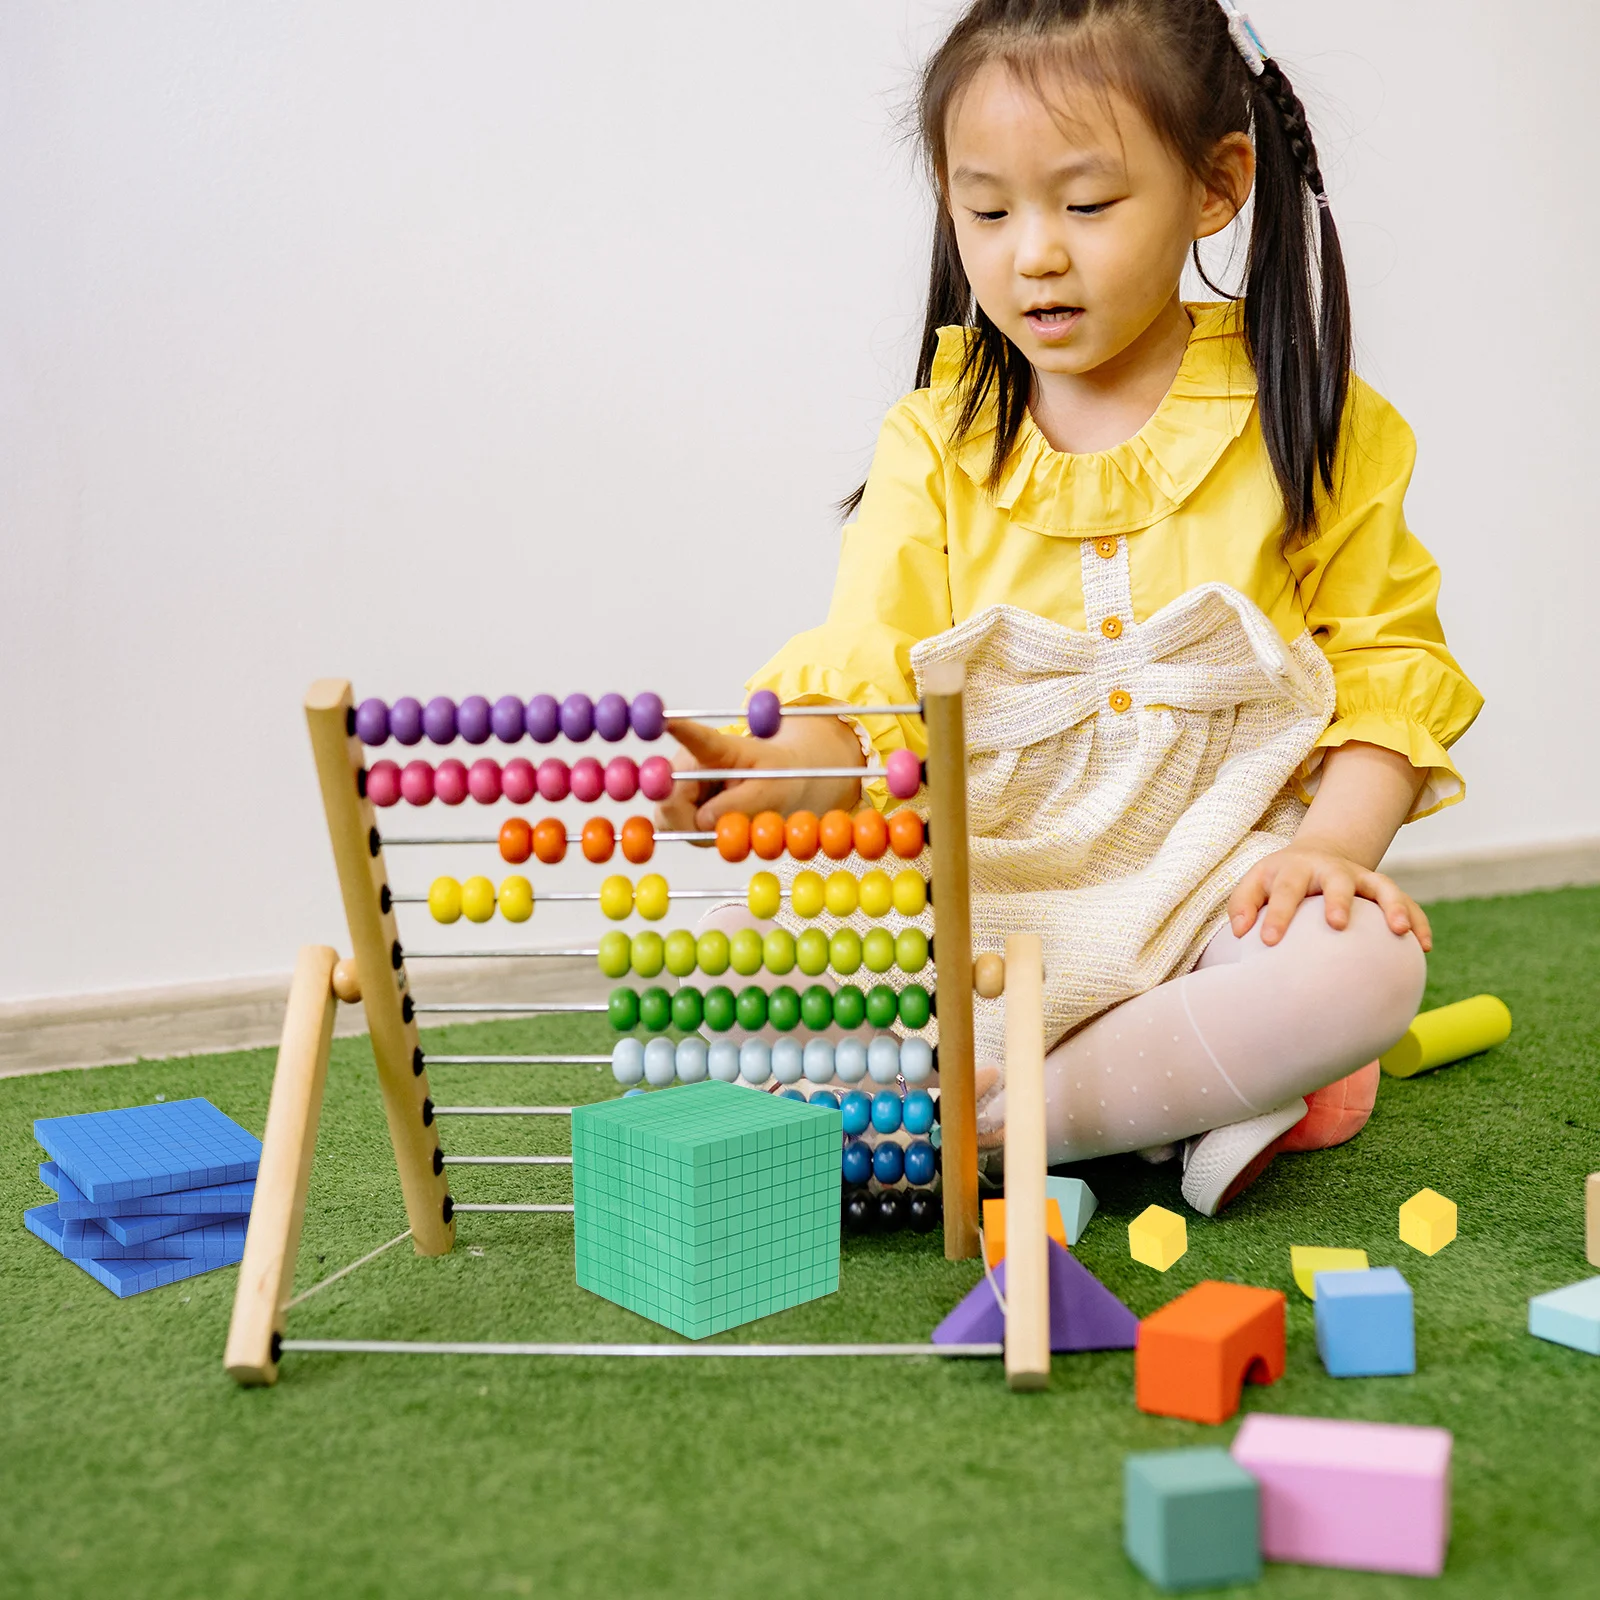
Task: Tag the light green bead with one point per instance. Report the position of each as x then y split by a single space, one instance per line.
681 953
649 954
811 952
877 950
777 951
844 950
911 949
711 950
616 954
744 952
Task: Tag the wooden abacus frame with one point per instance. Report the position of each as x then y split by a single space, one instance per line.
257 1330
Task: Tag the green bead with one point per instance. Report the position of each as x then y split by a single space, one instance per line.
622 1009
911 949
877 950
655 1010
811 952
751 1008
649 954
882 1005
777 951
816 1008
783 1008
844 950
914 1006
849 1007
719 1008
688 1009
744 951
681 953
616 954
711 951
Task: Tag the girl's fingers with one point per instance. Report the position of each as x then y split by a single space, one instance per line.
751 795
710 747
1288 890
1338 893
676 813
1400 911
1421 926
1245 903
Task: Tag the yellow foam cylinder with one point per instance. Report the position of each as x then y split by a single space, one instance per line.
1439 1037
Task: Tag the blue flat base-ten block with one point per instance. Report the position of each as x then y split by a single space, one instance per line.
1191 1519
126 1277
1365 1324
215 1200
1569 1316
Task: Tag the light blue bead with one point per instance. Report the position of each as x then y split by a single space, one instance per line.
722 1061
788 1061
916 1060
918 1112
755 1061
691 1060
883 1058
850 1060
627 1061
819 1060
660 1062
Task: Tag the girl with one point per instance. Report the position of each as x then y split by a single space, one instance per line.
1206 677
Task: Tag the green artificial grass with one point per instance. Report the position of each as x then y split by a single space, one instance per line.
132 1466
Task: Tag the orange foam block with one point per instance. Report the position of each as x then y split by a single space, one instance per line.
1197 1352
994 1229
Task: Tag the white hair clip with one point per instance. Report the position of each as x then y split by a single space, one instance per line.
1245 38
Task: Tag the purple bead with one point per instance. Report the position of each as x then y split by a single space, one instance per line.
506 719
764 714
439 720
577 717
588 780
405 721
648 715
611 717
372 722
542 718
472 720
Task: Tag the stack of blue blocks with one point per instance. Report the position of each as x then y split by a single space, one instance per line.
147 1195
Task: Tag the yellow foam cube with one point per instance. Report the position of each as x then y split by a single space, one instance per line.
1428 1221
1157 1237
1308 1260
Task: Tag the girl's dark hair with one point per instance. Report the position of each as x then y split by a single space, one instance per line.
1176 61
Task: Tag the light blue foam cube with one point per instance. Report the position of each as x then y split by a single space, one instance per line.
1365 1324
1569 1316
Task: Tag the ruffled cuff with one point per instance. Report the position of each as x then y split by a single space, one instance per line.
1442 785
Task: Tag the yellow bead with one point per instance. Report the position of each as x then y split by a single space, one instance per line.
516 899
842 893
806 894
650 899
765 896
477 899
616 897
910 892
876 894
444 899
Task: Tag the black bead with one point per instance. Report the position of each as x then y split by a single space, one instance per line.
349 722
374 842
396 955
448 1209
858 1211
930 888
933 1002
416 1062
427 1113
276 1347
385 899
891 1210
438 1161
361 783
408 1009
922 1210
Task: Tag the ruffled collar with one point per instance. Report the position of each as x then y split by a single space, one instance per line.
1135 483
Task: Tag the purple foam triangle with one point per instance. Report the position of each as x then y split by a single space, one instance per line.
1084 1314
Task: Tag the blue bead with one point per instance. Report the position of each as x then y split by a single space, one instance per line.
826 1097
888 1162
918 1113
628 1094
919 1161
792 1094
886 1111
855 1165
857 1111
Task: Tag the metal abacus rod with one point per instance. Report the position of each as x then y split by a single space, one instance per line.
479 1205
797 711
392 1347
508 1161
491 955
667 837
517 1061
502 1111
519 1008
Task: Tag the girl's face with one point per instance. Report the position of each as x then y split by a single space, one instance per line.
1074 232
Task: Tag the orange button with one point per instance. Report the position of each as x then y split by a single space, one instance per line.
1105 547
1120 699
1112 627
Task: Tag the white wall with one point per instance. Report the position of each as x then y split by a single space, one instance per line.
465 348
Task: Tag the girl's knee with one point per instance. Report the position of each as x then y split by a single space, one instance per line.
1369 967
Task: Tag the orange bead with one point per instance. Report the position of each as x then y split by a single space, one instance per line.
872 834
800 834
905 834
836 834
599 839
550 840
638 839
516 840
766 835
733 836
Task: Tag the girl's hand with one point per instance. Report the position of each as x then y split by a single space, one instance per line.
799 742
1288 876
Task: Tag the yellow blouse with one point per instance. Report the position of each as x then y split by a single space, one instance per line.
1194 493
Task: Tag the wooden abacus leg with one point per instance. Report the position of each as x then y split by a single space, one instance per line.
952 916
1027 1254
266 1274
358 855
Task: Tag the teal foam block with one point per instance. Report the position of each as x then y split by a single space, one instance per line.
1569 1316
1191 1519
1077 1203
706 1205
1365 1326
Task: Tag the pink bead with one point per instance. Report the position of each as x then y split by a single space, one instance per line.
517 781
622 777
450 781
416 783
554 781
383 783
483 781
588 780
655 778
904 773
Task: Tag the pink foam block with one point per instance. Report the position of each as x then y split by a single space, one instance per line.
1371 1495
